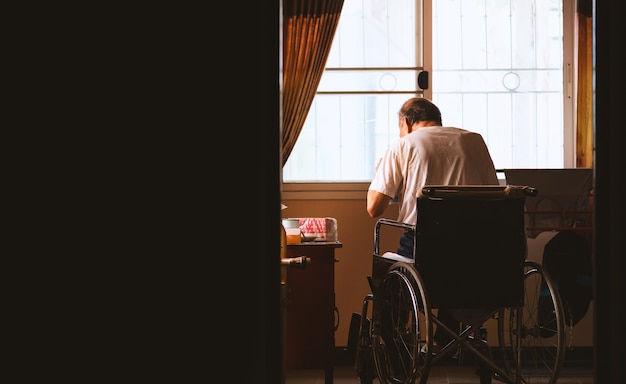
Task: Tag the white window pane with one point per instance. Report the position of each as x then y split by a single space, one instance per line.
388 80
343 137
497 70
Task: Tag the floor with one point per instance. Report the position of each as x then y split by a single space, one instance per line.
439 374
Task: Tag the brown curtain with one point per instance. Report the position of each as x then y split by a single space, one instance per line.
308 30
584 101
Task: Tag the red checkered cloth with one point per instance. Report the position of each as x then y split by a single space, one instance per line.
323 228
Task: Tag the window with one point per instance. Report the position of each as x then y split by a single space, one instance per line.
497 69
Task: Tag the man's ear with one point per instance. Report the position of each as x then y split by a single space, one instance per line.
406 123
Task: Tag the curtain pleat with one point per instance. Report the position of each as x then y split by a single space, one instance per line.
308 30
584 102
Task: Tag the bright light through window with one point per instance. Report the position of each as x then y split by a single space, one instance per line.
497 69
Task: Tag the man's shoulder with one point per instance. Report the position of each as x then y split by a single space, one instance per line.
465 132
442 128
457 129
439 130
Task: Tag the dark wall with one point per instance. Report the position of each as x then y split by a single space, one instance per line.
609 172
266 356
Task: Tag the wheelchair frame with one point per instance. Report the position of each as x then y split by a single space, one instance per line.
396 344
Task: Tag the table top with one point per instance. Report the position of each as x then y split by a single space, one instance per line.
333 244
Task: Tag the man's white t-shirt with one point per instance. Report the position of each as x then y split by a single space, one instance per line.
432 156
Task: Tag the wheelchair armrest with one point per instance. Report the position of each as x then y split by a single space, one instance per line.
393 223
478 191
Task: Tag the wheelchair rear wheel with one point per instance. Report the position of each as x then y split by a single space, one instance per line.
401 326
364 360
534 333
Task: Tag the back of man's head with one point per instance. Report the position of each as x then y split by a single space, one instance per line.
418 109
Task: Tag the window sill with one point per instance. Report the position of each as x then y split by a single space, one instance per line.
324 191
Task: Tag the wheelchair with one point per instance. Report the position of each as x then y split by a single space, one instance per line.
469 258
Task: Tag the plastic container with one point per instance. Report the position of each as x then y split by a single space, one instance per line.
292 230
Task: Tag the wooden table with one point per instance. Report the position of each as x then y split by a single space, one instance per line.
310 308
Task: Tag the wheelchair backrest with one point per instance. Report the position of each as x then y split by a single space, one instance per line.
471 245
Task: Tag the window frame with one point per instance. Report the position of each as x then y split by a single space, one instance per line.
329 190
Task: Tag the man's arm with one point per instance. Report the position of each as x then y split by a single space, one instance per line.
377 203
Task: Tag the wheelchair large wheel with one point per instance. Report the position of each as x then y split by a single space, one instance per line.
364 360
401 326
534 333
